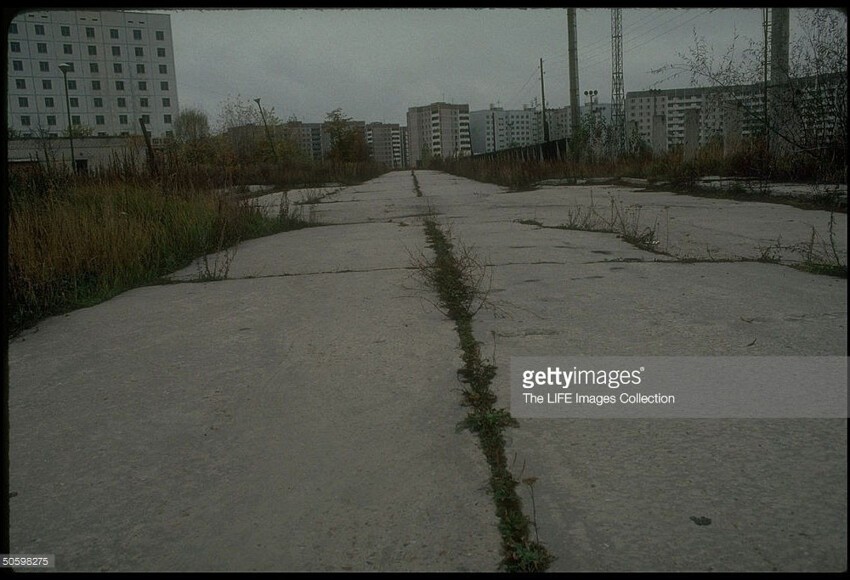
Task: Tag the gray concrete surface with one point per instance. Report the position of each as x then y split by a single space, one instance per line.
300 415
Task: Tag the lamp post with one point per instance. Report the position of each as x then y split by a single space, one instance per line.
591 95
263 115
65 67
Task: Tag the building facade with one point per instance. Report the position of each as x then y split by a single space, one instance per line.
384 142
121 69
438 130
495 128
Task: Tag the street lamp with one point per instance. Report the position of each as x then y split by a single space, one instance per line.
274 151
592 96
65 67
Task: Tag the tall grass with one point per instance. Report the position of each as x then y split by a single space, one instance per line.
75 241
750 161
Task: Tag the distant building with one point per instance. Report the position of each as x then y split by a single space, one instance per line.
384 141
495 129
815 103
122 69
438 130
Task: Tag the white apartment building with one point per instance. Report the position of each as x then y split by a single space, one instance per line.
122 69
495 129
439 130
669 106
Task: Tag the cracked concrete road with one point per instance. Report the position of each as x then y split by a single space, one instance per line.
300 415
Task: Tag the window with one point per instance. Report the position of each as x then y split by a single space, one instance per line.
93 67
122 102
160 35
70 67
92 50
72 85
23 102
15 47
140 69
117 68
18 65
98 102
143 86
143 102
13 28
48 102
43 66
99 120
67 49
41 47
119 85
163 85
137 35
89 32
25 120
47 85
169 133
39 29
51 120
166 119
113 33
163 69
139 51
116 51
75 102
146 119
20 83
160 52
65 30
166 102
122 119
75 119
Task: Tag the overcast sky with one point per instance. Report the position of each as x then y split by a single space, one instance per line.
375 64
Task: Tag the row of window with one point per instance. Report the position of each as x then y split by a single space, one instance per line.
97 102
47 84
26 120
90 31
117 67
41 48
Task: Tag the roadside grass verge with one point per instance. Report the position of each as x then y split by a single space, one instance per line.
459 279
74 243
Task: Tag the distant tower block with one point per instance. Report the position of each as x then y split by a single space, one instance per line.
732 127
658 136
691 134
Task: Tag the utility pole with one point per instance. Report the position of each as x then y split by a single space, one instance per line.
268 134
573 59
543 101
766 25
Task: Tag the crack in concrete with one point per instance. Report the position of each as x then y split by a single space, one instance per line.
283 275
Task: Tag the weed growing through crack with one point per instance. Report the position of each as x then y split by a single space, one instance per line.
416 184
458 281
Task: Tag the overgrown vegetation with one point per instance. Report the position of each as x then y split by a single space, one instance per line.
78 239
459 278
75 241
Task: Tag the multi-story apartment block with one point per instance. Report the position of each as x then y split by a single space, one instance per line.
384 141
308 137
439 130
120 69
495 129
715 103
405 147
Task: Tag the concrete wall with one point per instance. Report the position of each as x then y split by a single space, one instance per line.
91 152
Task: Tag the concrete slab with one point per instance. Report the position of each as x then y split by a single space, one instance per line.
619 495
300 415
286 423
